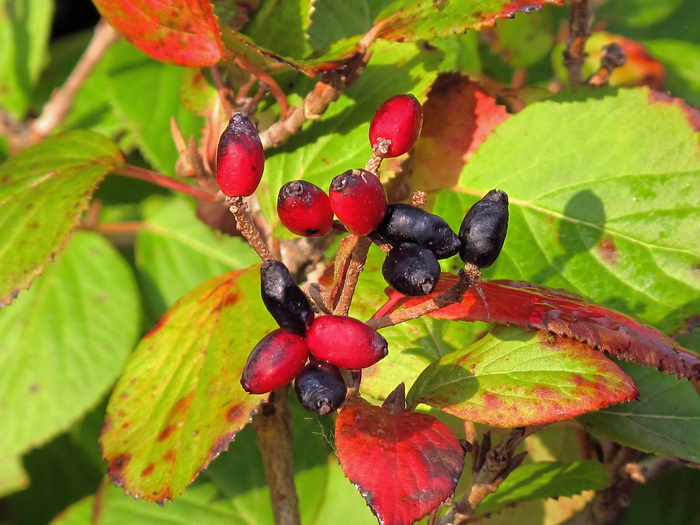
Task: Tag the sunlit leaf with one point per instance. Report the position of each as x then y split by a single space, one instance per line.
511 378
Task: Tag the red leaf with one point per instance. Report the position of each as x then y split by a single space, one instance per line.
403 464
532 306
458 116
182 32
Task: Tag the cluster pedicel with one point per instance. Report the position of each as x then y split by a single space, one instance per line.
240 158
357 198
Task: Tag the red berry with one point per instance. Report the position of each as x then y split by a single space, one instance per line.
239 157
398 119
304 209
358 200
274 362
345 342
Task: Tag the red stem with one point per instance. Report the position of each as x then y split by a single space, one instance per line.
135 172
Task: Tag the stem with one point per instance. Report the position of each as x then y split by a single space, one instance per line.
453 294
613 57
347 281
379 151
135 172
579 31
247 227
273 432
56 109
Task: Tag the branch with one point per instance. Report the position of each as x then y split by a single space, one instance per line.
58 107
273 432
247 227
490 467
348 275
579 31
135 172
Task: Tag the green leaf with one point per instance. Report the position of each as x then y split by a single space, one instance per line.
43 192
175 252
424 20
610 215
64 342
339 140
13 477
682 62
546 479
146 94
179 401
665 421
280 26
332 21
25 27
513 378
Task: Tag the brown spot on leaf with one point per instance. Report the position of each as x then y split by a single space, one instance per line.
167 431
608 250
148 470
170 456
234 413
492 401
115 468
34 388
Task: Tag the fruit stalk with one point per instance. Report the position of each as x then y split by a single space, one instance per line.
247 227
273 432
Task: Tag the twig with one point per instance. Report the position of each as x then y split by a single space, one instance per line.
135 172
273 433
613 57
222 91
579 31
247 227
379 151
347 282
490 467
453 294
56 109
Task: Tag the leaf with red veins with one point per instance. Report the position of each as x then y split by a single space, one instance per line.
511 378
181 32
532 306
457 117
411 20
404 464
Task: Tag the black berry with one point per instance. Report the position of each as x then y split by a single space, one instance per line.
483 230
274 362
411 269
320 387
284 299
406 223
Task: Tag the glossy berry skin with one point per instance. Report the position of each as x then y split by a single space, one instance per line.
358 200
483 230
274 362
411 269
320 387
406 223
240 158
284 299
345 342
304 209
399 120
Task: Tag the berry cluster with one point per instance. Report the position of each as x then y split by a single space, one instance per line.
311 350
331 342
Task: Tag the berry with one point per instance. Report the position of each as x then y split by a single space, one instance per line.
483 230
284 299
358 200
398 119
345 342
239 157
304 209
406 223
320 387
411 269
274 362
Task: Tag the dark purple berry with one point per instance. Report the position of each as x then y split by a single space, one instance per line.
399 120
274 362
406 223
483 230
320 387
284 299
304 209
346 342
240 158
411 269
358 200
